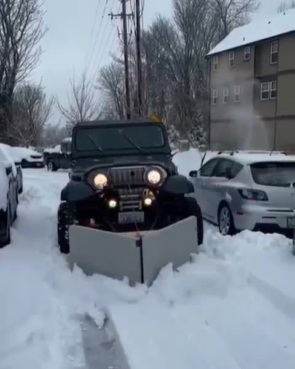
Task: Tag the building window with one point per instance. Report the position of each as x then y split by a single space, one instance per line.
273 89
231 59
268 90
215 63
247 53
215 97
264 91
274 52
237 93
225 95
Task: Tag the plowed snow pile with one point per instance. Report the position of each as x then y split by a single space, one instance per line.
232 308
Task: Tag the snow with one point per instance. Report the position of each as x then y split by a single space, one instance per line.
7 157
24 153
255 157
192 159
53 149
3 188
258 30
232 307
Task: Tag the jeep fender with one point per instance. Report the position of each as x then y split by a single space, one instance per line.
76 191
178 184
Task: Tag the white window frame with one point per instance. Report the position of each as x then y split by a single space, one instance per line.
273 86
215 96
274 49
231 59
215 62
264 88
247 53
225 95
237 93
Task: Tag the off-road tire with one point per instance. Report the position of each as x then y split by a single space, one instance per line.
192 208
64 221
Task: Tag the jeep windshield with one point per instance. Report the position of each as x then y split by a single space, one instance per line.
118 138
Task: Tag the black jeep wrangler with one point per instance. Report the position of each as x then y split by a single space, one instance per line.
123 179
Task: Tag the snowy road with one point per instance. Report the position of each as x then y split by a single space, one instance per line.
233 307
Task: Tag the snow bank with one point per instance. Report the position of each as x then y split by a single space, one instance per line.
187 161
24 153
232 307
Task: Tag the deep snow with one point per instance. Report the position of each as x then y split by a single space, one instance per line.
233 307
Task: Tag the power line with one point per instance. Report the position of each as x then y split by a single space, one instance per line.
138 16
124 16
107 47
98 33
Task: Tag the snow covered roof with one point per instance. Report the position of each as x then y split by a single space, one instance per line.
259 30
248 158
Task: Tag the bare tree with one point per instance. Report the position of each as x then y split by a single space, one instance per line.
285 5
31 111
83 104
53 134
174 66
112 84
21 29
233 13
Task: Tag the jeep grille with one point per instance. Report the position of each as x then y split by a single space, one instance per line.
127 176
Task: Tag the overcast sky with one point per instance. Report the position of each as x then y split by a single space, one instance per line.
80 36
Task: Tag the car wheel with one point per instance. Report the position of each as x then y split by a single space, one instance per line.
6 238
225 221
51 167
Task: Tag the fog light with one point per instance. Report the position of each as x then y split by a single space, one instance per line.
112 204
147 201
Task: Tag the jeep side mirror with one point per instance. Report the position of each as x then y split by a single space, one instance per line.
183 145
193 173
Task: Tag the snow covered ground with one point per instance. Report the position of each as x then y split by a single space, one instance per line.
232 308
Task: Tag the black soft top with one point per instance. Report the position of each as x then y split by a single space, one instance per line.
92 123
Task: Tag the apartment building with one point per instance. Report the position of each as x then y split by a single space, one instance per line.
252 86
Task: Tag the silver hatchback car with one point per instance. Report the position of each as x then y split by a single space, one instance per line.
247 191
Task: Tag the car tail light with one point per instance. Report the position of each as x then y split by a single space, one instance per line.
251 194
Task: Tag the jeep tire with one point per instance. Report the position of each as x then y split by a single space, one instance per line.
192 208
64 221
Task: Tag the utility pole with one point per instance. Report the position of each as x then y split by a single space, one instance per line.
124 16
139 61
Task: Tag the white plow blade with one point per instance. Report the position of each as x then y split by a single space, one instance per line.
119 255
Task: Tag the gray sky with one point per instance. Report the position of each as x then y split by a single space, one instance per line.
78 37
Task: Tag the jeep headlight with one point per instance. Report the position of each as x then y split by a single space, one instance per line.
155 176
100 180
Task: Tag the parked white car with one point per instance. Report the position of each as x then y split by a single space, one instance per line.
247 191
9 159
28 158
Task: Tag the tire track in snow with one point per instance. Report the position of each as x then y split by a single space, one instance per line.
87 346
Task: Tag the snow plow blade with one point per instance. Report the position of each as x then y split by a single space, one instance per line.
139 257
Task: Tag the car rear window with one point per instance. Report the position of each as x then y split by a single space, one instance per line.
274 173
